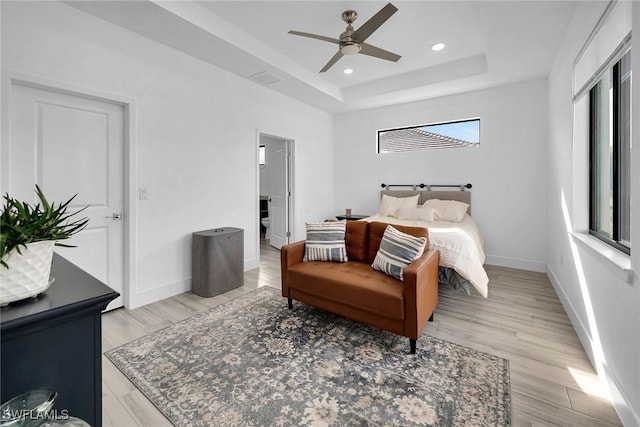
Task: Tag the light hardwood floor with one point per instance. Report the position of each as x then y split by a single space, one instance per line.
552 381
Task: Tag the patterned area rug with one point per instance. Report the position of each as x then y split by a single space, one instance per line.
253 362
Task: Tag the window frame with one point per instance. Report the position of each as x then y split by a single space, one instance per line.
448 122
616 124
262 155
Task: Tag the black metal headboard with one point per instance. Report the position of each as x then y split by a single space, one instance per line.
427 186
425 192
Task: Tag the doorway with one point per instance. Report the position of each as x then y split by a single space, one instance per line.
69 143
275 189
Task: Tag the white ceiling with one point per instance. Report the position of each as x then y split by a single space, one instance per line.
489 43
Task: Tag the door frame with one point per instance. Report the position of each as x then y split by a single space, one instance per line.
290 183
10 78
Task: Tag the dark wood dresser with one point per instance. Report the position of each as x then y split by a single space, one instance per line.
55 341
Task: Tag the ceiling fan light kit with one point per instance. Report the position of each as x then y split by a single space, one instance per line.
350 48
352 42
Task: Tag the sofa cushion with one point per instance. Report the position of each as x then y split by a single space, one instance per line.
376 231
397 251
353 284
357 240
325 241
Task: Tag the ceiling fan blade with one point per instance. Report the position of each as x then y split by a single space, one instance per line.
332 61
366 29
315 36
367 49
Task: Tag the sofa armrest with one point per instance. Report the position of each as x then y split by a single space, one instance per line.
290 255
421 292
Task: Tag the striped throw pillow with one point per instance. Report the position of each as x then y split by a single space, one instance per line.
325 241
397 251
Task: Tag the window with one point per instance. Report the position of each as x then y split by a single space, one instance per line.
609 153
457 134
262 155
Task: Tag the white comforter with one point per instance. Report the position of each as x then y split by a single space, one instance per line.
460 245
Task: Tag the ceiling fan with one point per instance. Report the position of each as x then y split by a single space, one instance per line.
352 42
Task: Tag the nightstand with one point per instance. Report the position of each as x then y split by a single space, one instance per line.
351 217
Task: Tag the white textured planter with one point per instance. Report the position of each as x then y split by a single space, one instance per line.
28 273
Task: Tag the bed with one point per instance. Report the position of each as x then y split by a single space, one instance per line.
460 244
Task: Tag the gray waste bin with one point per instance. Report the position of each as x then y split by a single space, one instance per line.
217 261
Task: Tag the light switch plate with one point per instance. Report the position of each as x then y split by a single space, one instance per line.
143 193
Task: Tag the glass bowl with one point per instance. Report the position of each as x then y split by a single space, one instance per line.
25 408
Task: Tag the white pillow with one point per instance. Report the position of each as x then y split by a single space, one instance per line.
389 206
447 210
418 214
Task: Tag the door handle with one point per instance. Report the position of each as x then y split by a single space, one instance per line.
115 216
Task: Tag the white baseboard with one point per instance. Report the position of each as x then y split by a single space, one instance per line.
581 330
251 264
170 289
625 411
161 292
521 264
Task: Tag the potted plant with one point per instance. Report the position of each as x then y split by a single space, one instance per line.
27 236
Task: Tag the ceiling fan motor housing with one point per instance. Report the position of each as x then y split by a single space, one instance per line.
349 45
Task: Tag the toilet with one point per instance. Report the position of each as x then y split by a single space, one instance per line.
267 223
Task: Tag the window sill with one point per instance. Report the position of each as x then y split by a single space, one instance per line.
617 261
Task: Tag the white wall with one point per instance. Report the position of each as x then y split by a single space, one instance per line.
195 134
603 307
507 170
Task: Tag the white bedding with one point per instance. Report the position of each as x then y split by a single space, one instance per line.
460 245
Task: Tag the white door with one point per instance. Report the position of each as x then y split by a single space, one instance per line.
278 199
70 144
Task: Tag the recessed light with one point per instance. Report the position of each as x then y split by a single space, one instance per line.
437 47
347 71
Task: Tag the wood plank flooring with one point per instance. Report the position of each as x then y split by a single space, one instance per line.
522 320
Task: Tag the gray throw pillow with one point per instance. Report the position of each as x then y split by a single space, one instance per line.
325 241
397 250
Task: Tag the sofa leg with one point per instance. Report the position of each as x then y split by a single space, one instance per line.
431 318
412 345
290 301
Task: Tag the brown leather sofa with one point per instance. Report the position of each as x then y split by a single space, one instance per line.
355 290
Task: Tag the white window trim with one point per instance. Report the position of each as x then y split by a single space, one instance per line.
607 43
604 46
616 261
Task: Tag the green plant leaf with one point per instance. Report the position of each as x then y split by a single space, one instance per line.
22 223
